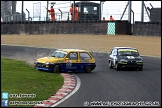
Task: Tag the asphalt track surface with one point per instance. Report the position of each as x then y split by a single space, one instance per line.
103 84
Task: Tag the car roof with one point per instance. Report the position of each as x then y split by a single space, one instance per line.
124 48
69 50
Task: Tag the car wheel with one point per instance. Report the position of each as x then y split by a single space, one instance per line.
88 69
56 69
110 65
117 66
140 69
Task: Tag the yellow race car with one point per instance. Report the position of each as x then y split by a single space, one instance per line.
67 60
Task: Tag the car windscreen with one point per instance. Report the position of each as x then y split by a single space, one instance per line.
58 54
128 52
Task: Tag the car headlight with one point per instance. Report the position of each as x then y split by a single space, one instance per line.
123 60
48 63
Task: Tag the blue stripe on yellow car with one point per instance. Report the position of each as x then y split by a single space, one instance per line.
68 66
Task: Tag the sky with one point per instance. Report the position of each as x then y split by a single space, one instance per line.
114 8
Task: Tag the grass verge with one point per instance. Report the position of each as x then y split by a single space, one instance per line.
17 77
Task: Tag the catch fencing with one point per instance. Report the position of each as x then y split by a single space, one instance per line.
36 20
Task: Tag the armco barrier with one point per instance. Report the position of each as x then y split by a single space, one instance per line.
147 29
64 27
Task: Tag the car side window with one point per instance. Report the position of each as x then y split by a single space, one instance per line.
112 51
84 56
115 52
73 56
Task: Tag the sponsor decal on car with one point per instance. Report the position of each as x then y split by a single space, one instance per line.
130 57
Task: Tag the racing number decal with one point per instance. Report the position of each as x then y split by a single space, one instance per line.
68 63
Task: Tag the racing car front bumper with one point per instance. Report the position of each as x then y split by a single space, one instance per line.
130 65
41 66
44 68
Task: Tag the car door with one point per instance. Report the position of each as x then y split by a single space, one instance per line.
72 62
84 59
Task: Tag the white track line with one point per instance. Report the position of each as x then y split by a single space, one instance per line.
75 90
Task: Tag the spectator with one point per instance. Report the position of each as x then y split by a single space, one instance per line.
74 13
103 18
52 12
111 18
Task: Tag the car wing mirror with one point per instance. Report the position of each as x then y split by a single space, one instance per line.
66 58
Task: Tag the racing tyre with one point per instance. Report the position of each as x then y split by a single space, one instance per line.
110 65
56 69
117 67
141 68
88 69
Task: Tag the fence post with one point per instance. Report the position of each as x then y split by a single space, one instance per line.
22 11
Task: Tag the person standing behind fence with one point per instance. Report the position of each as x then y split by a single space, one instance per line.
74 13
111 18
52 12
